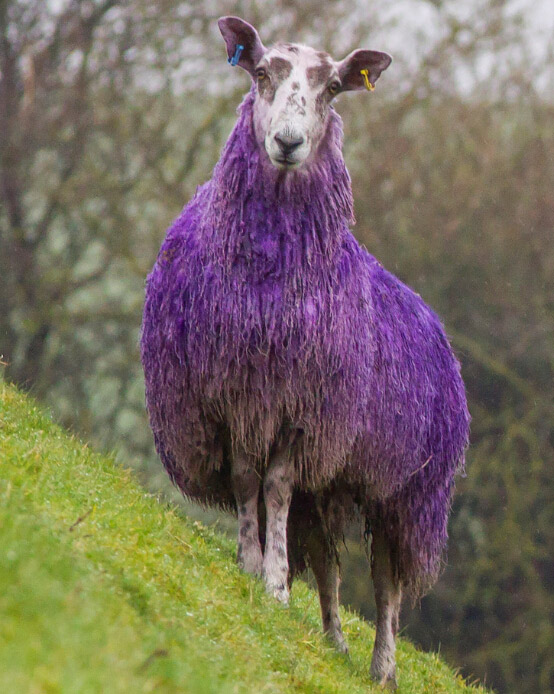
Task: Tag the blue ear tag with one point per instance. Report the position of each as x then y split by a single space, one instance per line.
235 59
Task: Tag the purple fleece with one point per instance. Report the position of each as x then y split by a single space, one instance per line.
263 314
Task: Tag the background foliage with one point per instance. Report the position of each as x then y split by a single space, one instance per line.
112 111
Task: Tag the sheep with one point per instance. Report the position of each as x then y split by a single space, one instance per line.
289 376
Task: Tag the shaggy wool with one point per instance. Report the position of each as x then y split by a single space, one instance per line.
264 318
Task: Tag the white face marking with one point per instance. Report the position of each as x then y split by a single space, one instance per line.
292 104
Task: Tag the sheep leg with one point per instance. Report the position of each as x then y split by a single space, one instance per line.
246 487
278 484
388 596
324 564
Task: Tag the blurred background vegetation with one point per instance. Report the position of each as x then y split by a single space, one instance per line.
113 111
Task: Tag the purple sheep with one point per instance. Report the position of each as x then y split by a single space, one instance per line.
289 376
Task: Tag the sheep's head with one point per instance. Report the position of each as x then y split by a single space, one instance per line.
295 88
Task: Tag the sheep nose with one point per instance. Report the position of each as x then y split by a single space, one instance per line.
288 143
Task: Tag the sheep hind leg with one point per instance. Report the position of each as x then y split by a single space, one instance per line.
388 597
246 488
324 564
278 483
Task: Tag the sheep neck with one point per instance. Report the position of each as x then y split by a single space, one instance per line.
255 208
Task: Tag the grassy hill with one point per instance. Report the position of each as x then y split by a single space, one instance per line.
105 589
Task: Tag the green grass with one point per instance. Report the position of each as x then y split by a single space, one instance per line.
103 588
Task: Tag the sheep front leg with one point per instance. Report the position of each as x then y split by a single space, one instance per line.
246 488
324 564
388 596
278 484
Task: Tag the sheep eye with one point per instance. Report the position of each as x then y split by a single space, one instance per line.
261 73
334 87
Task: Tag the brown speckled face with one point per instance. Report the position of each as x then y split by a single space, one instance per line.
296 85
277 70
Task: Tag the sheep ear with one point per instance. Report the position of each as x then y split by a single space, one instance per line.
350 69
237 32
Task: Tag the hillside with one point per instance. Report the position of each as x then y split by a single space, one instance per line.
105 589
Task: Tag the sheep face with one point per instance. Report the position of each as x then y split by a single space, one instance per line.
295 86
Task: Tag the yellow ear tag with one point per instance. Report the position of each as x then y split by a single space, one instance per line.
370 87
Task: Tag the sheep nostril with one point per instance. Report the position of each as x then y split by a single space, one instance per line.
288 143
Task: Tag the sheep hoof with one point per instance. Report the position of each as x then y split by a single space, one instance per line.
338 641
387 682
280 592
341 645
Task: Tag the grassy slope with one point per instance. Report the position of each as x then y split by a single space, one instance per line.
105 589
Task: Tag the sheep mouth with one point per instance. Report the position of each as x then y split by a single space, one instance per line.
285 163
